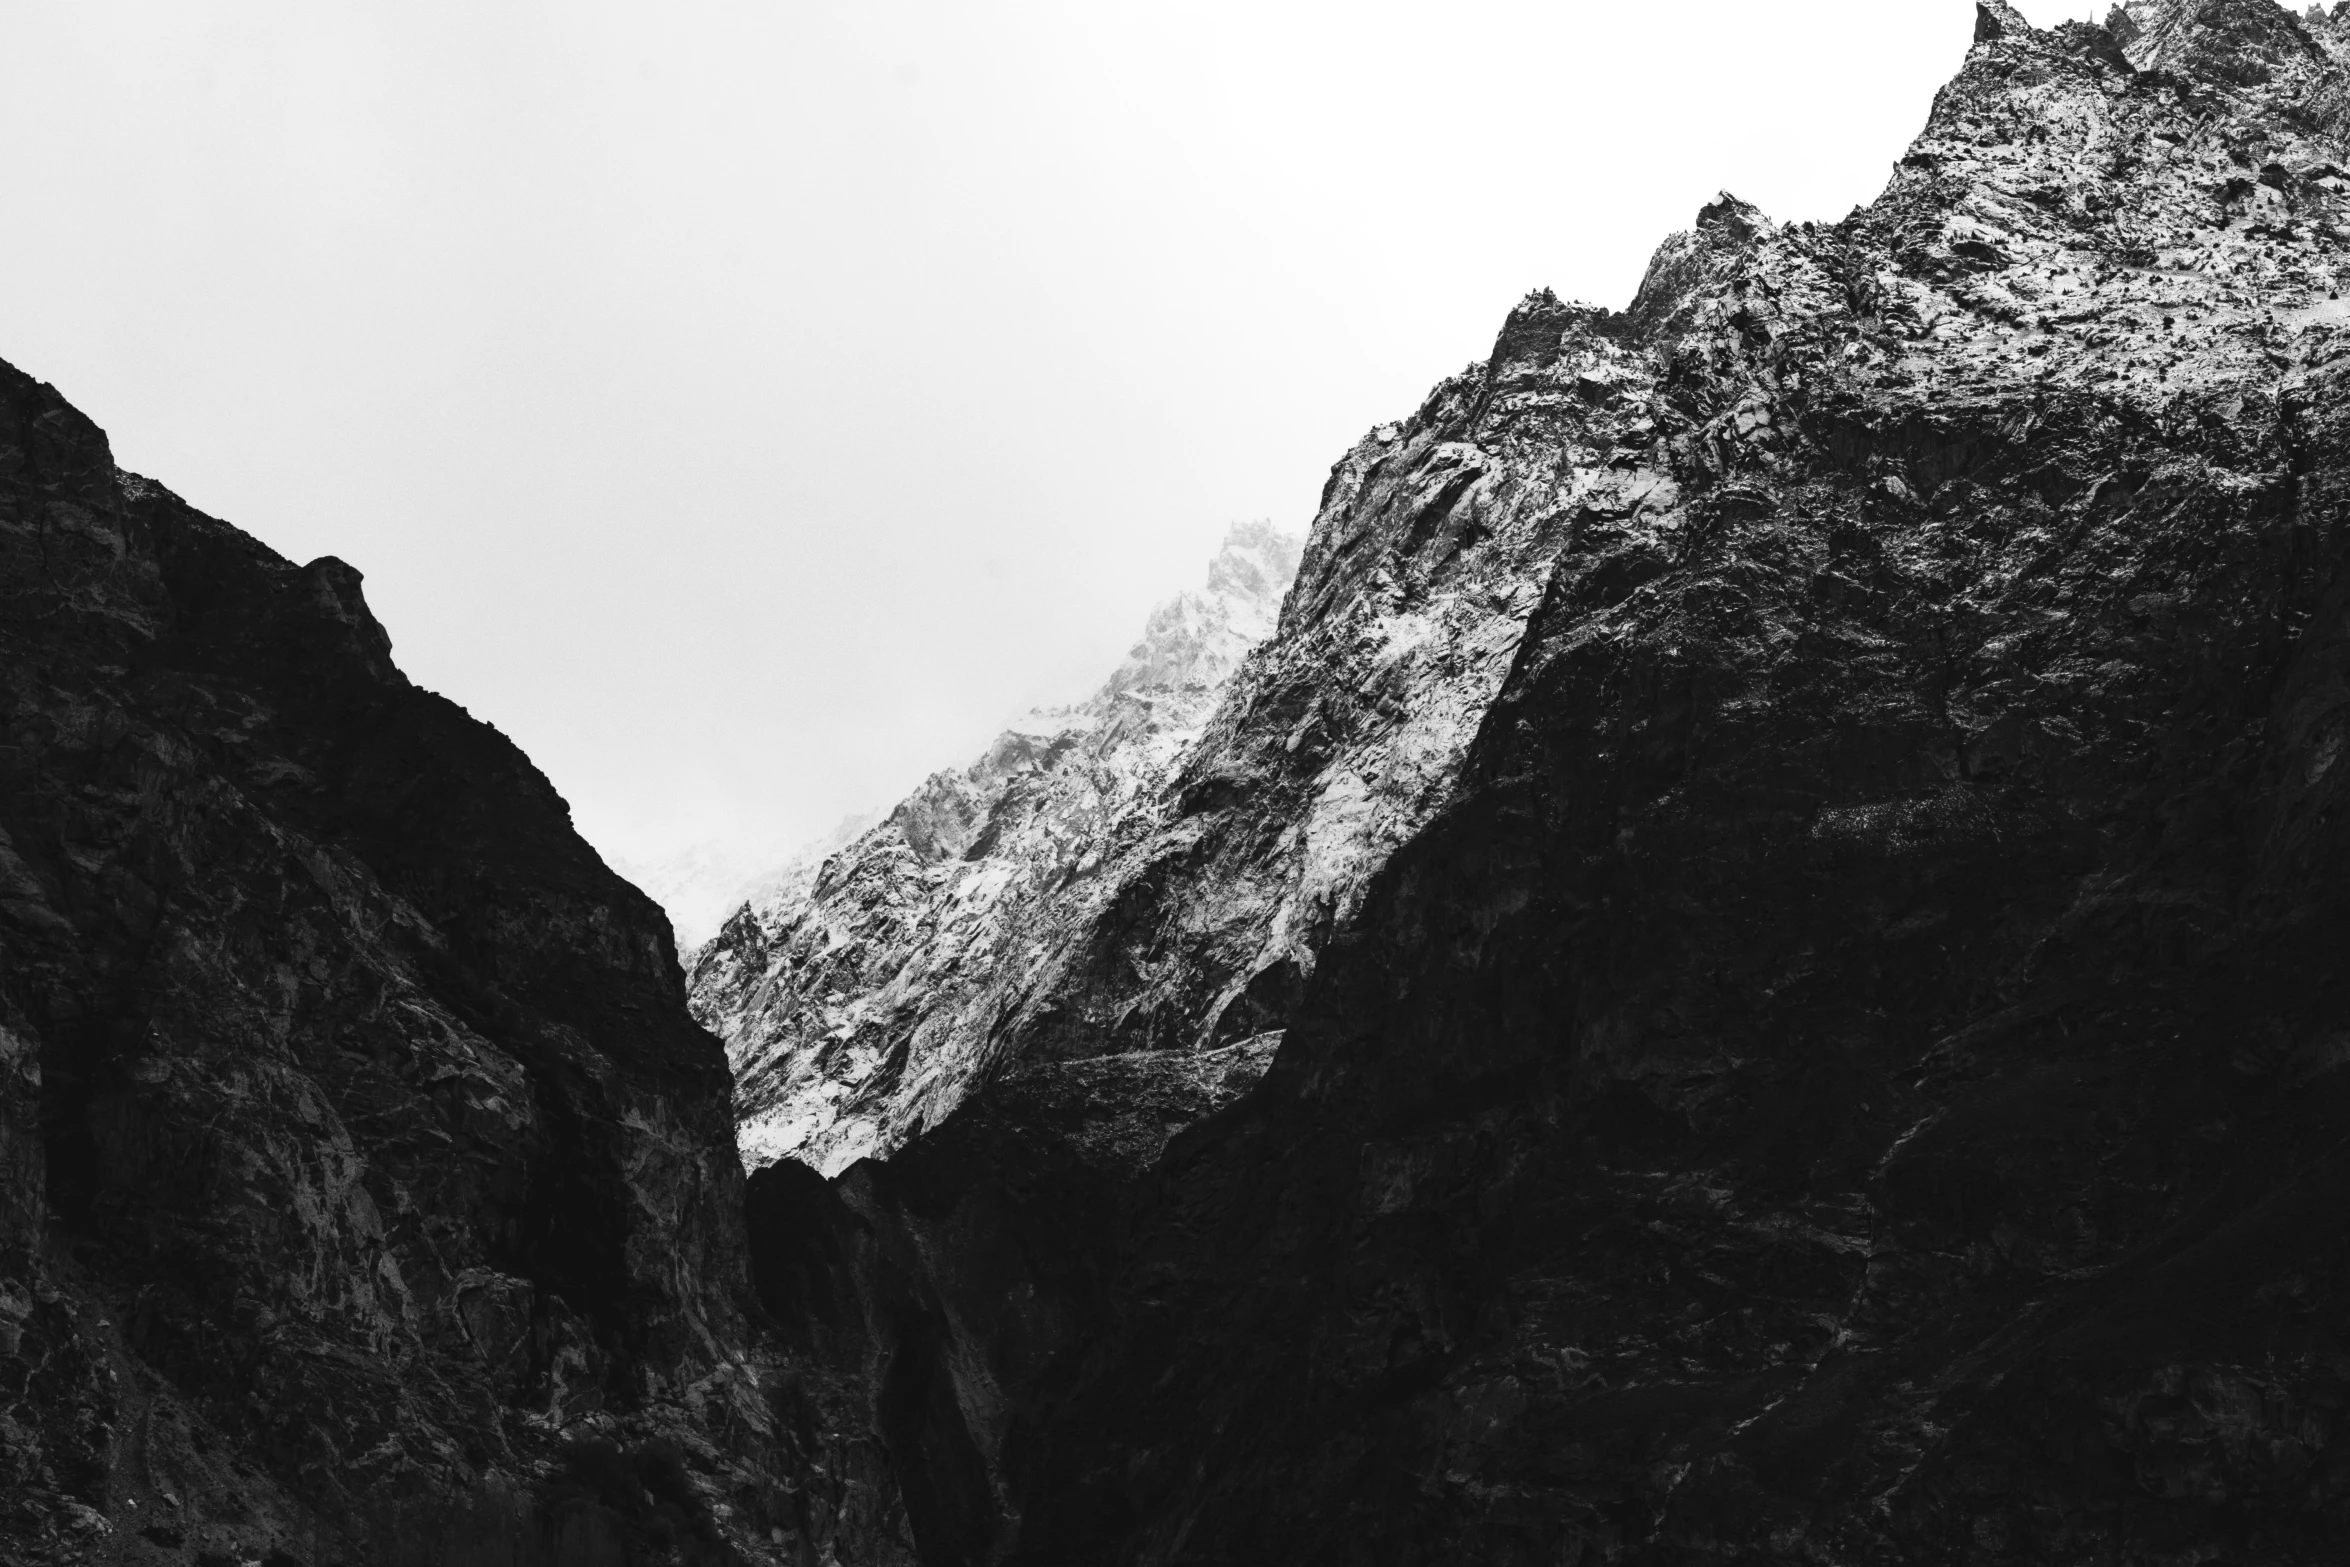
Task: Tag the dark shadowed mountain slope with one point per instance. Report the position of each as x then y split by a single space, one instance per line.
366 1192
1853 1071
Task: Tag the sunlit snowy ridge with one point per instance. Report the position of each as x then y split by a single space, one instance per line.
897 947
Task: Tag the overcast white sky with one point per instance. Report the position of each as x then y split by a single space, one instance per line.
750 406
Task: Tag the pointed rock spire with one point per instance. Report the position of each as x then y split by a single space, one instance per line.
1998 19
1739 219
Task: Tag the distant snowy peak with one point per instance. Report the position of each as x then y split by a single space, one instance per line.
1190 646
1200 638
857 998
1193 641
700 887
701 884
797 874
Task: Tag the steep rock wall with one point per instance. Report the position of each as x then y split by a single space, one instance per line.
1852 1070
863 998
367 1193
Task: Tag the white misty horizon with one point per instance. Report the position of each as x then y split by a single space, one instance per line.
749 408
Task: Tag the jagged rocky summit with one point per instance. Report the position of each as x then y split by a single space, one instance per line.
367 1193
866 992
1822 1035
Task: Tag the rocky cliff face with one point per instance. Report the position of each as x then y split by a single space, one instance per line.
1831 1047
367 1193
1154 873
862 998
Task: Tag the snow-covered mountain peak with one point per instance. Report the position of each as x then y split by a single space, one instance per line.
1191 642
932 922
1199 638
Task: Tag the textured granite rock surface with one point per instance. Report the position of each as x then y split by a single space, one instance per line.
871 989
1848 1066
1155 871
367 1193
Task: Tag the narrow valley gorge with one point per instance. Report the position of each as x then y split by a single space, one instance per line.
1739 957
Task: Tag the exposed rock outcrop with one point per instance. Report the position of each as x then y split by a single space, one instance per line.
1849 1065
862 998
367 1193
